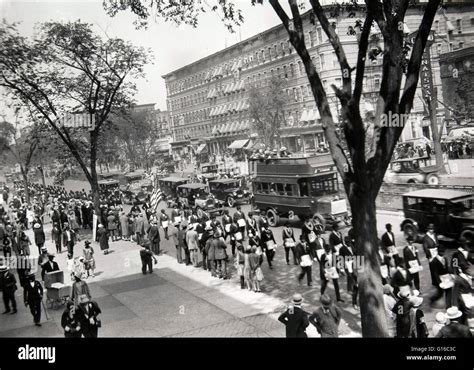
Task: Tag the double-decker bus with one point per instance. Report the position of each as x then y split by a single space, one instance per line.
298 186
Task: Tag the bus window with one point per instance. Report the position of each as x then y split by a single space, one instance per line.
304 191
290 190
265 188
323 185
280 189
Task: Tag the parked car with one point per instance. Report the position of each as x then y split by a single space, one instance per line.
449 210
196 196
209 171
169 186
413 170
229 191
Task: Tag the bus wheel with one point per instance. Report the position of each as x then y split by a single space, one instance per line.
319 220
273 218
230 202
432 179
199 212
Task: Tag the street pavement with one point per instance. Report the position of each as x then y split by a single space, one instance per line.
179 300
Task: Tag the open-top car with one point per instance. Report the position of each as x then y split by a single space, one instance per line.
413 170
229 191
196 196
449 210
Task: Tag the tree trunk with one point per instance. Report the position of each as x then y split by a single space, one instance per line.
372 309
43 179
24 174
94 180
436 138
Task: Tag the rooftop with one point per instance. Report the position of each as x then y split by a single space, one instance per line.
446 194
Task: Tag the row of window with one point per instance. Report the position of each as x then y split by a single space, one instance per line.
314 187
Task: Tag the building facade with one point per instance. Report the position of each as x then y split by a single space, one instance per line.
208 101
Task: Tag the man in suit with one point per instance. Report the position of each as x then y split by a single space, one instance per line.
140 228
154 237
295 319
336 240
33 296
328 263
460 258
348 255
69 238
430 242
388 243
318 244
8 288
49 266
410 253
239 215
439 266
454 329
303 249
326 319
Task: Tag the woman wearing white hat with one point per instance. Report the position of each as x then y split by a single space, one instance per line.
441 321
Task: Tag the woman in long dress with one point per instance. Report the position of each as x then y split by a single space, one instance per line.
80 290
89 261
103 238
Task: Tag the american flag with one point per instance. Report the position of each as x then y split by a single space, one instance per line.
156 198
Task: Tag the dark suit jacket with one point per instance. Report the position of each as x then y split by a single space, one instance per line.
386 242
32 294
47 268
408 255
399 280
458 261
437 269
154 234
428 244
301 250
335 239
296 322
454 330
326 263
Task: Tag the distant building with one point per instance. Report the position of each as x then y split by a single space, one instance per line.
208 103
457 77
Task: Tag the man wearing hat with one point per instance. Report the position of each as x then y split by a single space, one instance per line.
430 242
418 327
69 238
410 255
220 254
402 312
439 267
39 235
50 266
295 319
8 287
304 255
326 319
388 243
460 258
154 237
336 241
33 296
146 255
192 241
454 329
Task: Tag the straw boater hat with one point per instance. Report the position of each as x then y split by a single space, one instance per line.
453 313
297 298
36 226
441 318
415 299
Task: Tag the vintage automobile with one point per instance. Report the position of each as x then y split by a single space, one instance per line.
196 196
169 186
209 171
298 186
412 170
109 185
449 210
229 191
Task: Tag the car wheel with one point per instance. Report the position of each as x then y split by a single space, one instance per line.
410 229
199 212
230 202
273 218
319 220
432 179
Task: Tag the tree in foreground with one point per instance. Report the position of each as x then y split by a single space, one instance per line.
67 69
361 171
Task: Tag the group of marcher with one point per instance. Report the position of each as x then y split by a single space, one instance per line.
402 295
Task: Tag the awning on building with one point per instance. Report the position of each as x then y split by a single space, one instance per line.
227 88
201 148
313 114
237 65
245 105
245 125
256 146
208 75
214 130
238 144
304 116
240 85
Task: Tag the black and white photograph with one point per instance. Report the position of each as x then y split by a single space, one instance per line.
237 169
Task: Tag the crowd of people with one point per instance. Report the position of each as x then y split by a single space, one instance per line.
245 242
